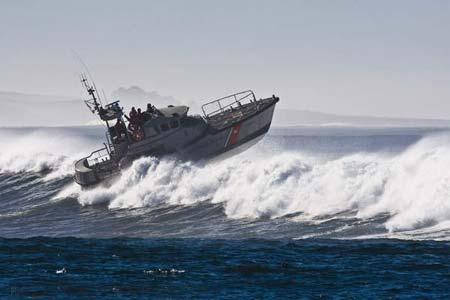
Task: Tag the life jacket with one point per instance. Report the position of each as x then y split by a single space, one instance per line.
133 115
138 134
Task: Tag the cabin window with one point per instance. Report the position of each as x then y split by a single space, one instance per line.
174 123
164 127
187 121
151 131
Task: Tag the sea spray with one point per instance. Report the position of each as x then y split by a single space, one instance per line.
417 191
412 187
50 151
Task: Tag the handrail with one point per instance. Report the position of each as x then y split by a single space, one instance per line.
109 145
243 96
99 158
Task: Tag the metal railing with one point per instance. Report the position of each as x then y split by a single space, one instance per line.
220 105
109 142
98 156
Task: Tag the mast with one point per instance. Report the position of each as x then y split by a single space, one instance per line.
111 111
93 103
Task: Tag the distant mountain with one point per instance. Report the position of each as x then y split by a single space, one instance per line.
31 98
136 96
291 117
40 110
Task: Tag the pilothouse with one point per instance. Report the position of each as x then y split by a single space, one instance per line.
229 125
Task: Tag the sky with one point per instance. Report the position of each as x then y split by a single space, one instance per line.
376 58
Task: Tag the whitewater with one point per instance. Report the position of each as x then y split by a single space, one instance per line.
310 182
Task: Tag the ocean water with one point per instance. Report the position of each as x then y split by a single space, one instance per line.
308 212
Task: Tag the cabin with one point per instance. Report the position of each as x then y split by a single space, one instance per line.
166 131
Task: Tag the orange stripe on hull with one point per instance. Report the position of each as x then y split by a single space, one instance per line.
234 134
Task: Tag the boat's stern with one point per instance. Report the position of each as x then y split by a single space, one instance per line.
233 127
95 168
84 175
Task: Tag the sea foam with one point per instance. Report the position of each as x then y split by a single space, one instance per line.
51 151
412 187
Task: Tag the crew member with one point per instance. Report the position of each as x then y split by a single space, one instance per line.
139 118
150 109
132 119
120 129
138 133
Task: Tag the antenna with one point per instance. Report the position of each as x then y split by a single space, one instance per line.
95 104
83 65
96 91
84 78
92 103
104 96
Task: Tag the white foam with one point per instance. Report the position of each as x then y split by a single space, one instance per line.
159 271
412 187
417 190
72 190
42 150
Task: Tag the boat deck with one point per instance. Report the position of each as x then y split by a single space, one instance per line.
236 114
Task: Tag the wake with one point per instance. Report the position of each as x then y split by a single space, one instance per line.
413 187
42 150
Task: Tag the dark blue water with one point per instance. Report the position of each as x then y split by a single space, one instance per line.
227 269
307 213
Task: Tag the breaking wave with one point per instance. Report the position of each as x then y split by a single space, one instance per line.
412 187
51 151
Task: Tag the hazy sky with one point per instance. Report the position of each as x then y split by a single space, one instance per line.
385 58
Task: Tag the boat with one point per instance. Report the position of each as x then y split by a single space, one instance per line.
229 125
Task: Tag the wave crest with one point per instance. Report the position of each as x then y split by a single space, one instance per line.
51 151
413 187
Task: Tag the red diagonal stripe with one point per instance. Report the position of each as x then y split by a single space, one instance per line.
234 134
